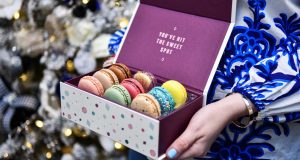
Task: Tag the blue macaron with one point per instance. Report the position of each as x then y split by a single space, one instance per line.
164 98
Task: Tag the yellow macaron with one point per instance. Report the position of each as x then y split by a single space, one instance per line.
177 91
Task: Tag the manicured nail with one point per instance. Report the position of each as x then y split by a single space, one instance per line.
172 153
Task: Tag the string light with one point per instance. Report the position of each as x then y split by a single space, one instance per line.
24 77
39 123
48 155
52 38
67 132
123 22
118 3
70 66
17 15
28 145
119 146
5 155
85 1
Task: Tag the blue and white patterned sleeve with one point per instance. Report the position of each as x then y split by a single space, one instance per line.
262 59
273 79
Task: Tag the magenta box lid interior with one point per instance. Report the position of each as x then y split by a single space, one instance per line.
176 45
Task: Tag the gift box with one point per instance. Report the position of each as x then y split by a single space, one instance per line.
173 39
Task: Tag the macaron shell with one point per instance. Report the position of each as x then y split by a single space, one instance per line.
147 80
133 87
121 70
177 91
91 85
164 99
147 104
119 73
112 75
125 68
106 78
118 94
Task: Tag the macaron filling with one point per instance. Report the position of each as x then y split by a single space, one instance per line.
134 84
123 69
154 103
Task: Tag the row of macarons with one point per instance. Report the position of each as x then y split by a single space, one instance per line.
140 91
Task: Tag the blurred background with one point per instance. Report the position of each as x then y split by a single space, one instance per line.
43 42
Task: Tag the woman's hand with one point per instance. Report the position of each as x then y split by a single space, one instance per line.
205 126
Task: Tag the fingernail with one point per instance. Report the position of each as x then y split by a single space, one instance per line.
172 153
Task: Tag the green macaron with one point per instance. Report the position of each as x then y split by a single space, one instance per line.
118 94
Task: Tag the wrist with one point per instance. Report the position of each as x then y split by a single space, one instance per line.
234 106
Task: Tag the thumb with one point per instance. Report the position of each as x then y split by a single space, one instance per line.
181 144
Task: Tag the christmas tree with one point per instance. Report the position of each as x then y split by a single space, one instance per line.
42 43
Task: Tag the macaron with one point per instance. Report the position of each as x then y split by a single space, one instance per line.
133 87
121 70
107 78
177 91
91 85
147 104
118 94
147 80
164 99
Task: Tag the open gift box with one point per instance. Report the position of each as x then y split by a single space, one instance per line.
173 39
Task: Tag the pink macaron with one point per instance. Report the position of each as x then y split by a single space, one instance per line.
133 86
91 85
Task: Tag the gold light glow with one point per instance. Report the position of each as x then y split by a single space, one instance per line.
85 1
39 123
5 155
28 145
17 15
24 77
123 22
48 155
67 132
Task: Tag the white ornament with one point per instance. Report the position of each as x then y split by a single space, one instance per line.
84 62
9 7
107 144
67 157
80 32
100 46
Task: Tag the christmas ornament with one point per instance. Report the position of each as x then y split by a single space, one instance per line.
14 107
31 42
80 32
10 65
84 62
48 89
70 66
9 7
99 46
67 157
107 144
54 60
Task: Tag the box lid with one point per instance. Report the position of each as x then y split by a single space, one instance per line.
180 40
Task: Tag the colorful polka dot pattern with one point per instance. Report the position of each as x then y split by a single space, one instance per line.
132 129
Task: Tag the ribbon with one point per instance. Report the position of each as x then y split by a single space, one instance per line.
14 107
10 65
116 40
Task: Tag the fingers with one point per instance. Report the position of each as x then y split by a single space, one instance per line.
181 144
198 149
